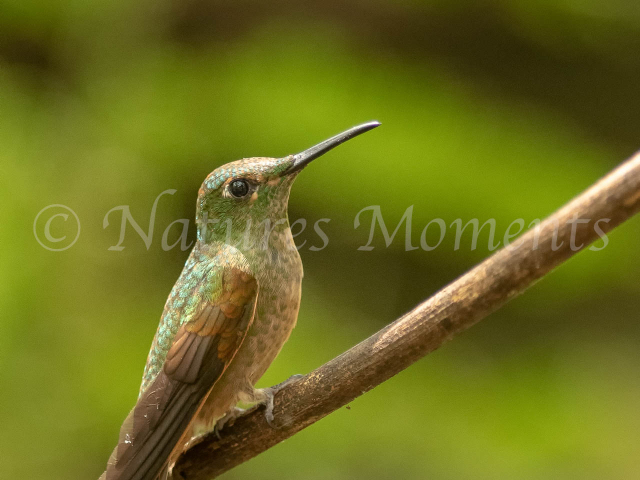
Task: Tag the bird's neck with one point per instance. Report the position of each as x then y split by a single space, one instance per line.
254 238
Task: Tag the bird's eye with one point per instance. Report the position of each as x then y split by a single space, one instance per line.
239 188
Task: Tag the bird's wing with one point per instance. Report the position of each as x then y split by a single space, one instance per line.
201 350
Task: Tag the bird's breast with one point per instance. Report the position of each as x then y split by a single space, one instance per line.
276 313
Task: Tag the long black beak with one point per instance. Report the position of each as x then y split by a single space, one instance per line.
302 159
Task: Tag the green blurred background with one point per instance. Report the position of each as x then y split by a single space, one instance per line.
493 109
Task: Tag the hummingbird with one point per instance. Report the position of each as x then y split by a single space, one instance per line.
226 318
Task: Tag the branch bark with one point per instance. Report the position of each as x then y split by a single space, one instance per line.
456 307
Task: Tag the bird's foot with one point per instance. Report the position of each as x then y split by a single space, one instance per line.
266 396
170 474
228 419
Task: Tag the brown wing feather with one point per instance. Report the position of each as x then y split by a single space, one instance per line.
202 349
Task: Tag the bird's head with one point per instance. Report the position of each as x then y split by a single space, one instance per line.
240 196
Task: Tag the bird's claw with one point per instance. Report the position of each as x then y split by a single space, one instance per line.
288 381
270 393
229 418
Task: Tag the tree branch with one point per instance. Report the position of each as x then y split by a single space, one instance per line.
456 307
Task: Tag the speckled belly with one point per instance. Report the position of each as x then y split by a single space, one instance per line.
276 316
